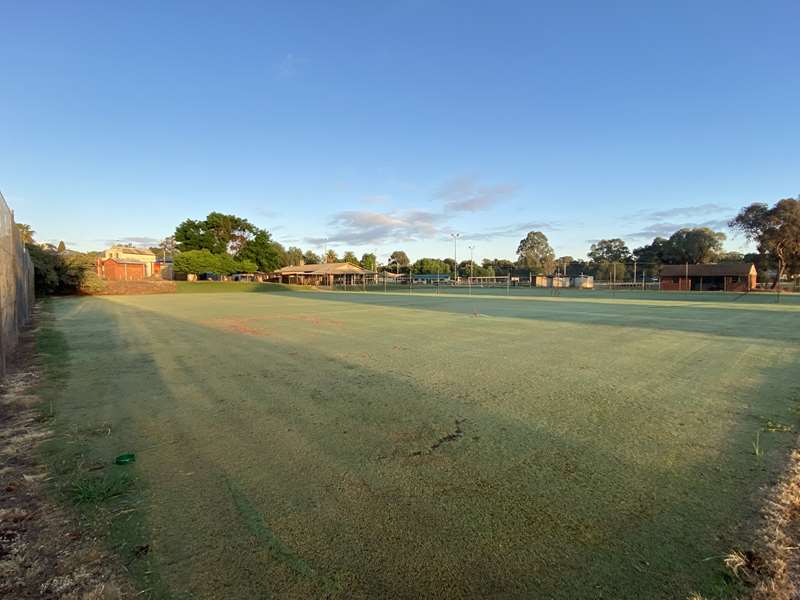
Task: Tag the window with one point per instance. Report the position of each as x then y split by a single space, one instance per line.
676 280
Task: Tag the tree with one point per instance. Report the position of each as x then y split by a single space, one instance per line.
369 261
613 250
535 253
280 252
294 256
331 257
693 245
197 261
399 257
218 233
562 262
776 230
67 273
350 258
25 233
468 268
500 266
62 247
261 251
653 254
431 266
310 258
731 257
166 248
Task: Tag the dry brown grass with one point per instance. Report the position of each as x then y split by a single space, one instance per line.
772 569
43 551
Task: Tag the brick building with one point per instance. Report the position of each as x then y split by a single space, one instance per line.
122 263
727 277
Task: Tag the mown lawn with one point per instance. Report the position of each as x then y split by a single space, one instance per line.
373 445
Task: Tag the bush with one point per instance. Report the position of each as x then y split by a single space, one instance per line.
203 261
62 272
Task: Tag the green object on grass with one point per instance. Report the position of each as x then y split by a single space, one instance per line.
125 459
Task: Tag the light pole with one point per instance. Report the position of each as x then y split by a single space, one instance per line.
471 262
455 237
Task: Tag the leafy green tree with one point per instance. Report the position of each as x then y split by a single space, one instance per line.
430 266
194 235
262 251
45 271
609 251
218 233
369 261
467 268
399 258
294 256
310 258
280 251
654 254
331 256
197 261
500 266
776 231
350 257
63 273
693 245
25 233
730 257
62 247
535 253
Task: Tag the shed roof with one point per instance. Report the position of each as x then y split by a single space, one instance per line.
708 270
130 250
122 261
322 269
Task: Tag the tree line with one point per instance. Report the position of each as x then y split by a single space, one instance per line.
226 244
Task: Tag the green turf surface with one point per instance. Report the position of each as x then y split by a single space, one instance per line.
390 445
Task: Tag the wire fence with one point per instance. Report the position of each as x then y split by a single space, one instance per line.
16 284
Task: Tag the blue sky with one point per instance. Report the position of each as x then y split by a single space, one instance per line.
390 125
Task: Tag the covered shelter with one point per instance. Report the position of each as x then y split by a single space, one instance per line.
430 277
324 274
725 277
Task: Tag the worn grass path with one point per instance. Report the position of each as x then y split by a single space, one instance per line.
368 445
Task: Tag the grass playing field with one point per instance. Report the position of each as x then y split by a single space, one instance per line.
378 445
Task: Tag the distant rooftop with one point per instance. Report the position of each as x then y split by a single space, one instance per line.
131 250
322 269
708 270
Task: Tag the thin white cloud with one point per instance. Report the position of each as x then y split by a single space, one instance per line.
358 227
698 210
136 241
465 194
510 230
666 229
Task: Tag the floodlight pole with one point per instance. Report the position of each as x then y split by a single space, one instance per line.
455 237
471 264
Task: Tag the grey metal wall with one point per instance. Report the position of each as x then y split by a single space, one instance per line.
16 284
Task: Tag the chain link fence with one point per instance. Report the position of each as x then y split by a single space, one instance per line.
16 284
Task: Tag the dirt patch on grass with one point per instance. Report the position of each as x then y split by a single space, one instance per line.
247 326
144 286
44 552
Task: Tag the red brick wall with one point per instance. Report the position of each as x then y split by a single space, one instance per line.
112 270
671 285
